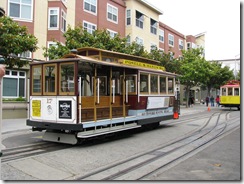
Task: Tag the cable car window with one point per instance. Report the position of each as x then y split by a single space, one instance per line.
170 85
102 85
223 91
162 84
144 83
154 83
67 78
236 91
37 79
131 84
50 78
230 92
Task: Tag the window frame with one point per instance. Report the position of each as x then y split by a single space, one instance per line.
32 82
20 18
55 81
112 33
153 27
18 77
161 35
157 84
126 78
148 83
171 39
181 44
139 41
49 18
89 29
128 17
90 5
140 20
114 8
72 92
63 21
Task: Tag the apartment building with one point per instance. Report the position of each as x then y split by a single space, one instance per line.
48 20
197 41
170 40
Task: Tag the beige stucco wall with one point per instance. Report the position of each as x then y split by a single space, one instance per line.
201 40
145 33
40 27
3 4
71 13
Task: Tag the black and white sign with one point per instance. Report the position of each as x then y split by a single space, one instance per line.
65 109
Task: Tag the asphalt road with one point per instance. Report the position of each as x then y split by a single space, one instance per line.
221 161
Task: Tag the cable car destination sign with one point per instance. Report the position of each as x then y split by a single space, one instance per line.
140 64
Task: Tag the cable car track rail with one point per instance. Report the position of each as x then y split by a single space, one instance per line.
136 167
10 154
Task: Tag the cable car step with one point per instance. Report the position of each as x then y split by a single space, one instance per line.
60 138
103 131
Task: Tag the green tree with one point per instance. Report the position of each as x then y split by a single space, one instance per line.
217 76
193 69
14 40
78 38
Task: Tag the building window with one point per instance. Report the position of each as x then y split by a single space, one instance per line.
153 47
53 18
90 6
139 41
112 13
21 9
161 51
171 55
139 19
14 84
89 27
161 35
171 40
128 17
154 27
112 33
26 54
128 38
188 46
63 21
181 45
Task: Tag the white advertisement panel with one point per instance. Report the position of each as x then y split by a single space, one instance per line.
61 109
157 102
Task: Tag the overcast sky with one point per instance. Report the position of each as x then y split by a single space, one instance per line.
220 19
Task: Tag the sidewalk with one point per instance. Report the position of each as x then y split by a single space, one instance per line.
9 125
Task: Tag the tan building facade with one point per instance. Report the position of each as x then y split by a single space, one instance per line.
142 23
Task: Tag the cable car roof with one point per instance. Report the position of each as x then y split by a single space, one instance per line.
75 57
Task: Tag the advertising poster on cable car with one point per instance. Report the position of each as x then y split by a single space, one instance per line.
65 109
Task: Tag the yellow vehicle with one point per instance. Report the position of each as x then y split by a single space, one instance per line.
230 94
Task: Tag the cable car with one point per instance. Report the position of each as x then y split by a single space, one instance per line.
230 94
96 92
